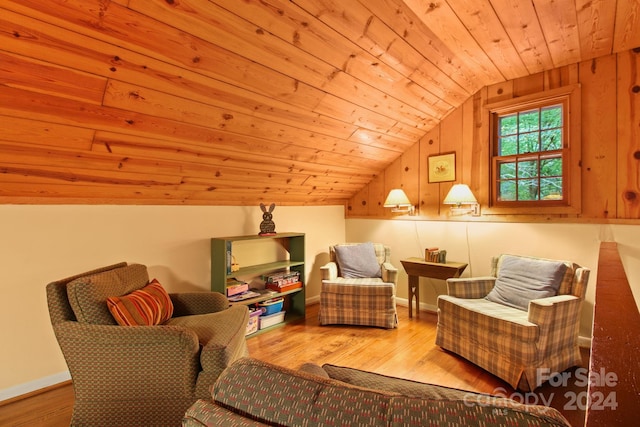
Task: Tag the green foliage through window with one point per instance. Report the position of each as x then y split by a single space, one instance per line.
529 154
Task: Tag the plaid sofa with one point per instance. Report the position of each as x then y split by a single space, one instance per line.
523 347
255 393
367 301
140 375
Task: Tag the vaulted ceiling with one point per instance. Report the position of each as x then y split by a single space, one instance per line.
234 102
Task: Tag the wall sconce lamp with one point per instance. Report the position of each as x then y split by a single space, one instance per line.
460 194
398 201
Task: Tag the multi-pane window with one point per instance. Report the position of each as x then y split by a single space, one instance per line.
529 147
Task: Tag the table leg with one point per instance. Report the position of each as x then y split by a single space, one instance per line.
414 290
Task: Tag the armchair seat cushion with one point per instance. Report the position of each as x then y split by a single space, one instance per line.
487 317
361 286
213 329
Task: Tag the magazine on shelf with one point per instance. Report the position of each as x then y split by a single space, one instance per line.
243 296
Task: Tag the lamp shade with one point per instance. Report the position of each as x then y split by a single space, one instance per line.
396 198
460 194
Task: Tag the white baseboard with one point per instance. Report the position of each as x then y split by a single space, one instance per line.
40 383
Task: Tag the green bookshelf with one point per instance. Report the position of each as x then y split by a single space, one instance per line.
288 256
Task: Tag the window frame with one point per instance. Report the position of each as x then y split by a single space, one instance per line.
569 97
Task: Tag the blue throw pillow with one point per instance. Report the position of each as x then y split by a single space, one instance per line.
357 261
522 279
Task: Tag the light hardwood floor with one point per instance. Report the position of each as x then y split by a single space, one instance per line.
408 352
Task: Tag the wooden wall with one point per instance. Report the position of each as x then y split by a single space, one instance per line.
610 143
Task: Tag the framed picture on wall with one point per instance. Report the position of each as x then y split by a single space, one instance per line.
442 167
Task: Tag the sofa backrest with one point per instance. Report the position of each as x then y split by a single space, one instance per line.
88 294
276 395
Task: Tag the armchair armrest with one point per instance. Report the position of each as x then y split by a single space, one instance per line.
470 288
92 352
558 320
189 303
389 273
552 310
329 271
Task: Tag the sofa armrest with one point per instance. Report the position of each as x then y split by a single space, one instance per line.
329 271
389 273
470 288
189 303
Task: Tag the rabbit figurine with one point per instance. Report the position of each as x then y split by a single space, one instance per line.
267 226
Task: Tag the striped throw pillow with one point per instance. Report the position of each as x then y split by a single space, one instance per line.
148 306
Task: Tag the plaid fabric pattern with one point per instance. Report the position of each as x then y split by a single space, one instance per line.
331 271
135 376
478 287
256 393
510 343
361 301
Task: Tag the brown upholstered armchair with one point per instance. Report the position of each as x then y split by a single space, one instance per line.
140 375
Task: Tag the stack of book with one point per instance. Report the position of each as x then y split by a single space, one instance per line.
435 255
283 281
238 291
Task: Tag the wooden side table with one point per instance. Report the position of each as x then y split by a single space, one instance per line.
416 267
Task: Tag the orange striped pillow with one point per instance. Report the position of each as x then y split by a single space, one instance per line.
148 306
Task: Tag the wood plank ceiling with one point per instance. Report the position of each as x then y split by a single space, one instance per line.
234 102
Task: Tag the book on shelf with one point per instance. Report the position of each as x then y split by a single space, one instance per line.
284 287
435 255
243 296
229 256
282 278
235 287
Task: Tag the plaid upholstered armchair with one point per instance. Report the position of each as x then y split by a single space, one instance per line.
521 323
141 375
359 286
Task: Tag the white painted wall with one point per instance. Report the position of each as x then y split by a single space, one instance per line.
476 242
39 244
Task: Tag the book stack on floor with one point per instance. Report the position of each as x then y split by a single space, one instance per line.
435 255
